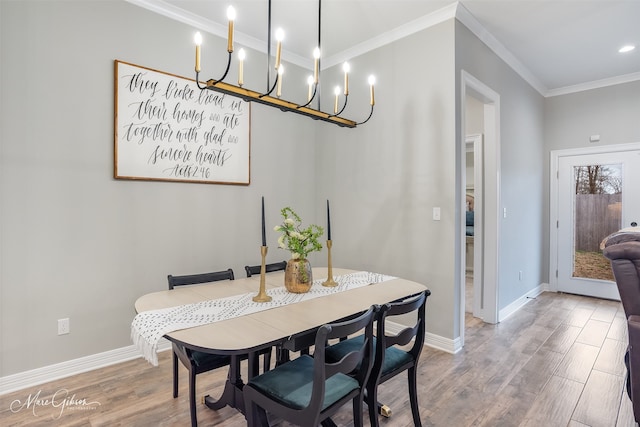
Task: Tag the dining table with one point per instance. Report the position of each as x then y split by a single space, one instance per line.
251 327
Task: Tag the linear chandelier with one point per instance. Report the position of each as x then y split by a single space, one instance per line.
275 101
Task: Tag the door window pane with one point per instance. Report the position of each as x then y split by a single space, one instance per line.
598 213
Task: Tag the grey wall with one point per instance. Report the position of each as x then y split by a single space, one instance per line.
385 177
611 112
75 242
521 158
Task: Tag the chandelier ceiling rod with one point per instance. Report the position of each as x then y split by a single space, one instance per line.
319 47
269 46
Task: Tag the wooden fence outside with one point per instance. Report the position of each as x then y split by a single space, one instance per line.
596 216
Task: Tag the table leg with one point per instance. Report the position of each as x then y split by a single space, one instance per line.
232 394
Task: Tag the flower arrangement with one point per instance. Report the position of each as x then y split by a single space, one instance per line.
300 242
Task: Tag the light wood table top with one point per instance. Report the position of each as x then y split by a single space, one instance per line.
262 329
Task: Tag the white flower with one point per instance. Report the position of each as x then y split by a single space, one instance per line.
295 255
289 221
281 242
277 228
297 235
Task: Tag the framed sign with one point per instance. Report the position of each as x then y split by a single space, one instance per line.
167 129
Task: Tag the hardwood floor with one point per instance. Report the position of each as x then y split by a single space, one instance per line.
556 362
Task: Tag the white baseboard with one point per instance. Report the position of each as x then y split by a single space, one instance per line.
520 302
430 340
45 374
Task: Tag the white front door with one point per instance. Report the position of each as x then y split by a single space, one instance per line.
597 194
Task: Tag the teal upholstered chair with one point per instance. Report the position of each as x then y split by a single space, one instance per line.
390 360
308 390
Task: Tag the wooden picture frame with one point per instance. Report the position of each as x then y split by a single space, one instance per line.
167 129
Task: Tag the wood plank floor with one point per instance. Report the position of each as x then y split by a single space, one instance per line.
556 362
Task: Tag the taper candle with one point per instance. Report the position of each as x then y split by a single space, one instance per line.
198 41
279 38
264 235
280 72
372 81
310 83
328 222
241 56
316 65
231 16
335 102
346 68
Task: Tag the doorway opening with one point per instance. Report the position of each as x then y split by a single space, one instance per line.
480 157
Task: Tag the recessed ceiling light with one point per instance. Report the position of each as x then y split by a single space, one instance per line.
627 48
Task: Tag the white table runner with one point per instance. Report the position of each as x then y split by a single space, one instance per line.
149 326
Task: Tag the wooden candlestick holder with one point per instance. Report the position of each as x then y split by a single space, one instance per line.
329 282
262 293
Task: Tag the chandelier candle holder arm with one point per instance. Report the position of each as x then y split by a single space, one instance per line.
372 100
265 98
313 88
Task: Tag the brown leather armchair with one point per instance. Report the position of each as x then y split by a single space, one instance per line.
623 249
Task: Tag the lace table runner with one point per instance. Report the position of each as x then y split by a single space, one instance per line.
149 326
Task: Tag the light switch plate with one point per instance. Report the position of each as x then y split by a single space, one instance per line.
436 214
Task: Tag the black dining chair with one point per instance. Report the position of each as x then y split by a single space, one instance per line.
282 354
198 362
390 360
309 390
268 268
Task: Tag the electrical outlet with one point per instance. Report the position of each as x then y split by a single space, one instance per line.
63 326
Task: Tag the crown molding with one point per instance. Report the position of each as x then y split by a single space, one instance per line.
455 10
468 20
596 84
412 27
181 15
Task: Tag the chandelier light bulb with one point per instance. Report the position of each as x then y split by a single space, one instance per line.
627 48
231 13
279 34
197 39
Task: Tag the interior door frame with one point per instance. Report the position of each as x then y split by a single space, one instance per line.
553 196
488 309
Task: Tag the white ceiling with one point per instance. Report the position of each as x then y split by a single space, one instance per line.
558 46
